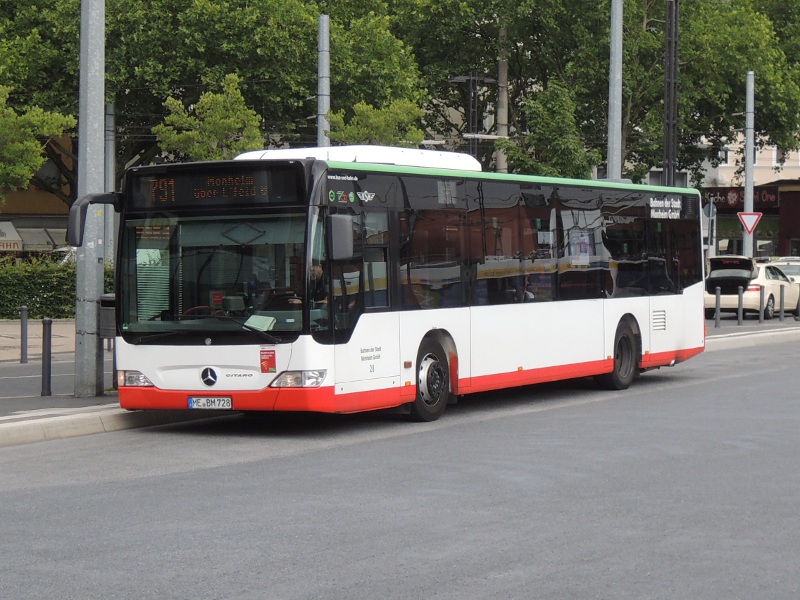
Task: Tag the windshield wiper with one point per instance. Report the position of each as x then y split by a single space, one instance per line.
144 338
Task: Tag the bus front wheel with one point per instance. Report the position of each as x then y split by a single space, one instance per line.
433 382
625 360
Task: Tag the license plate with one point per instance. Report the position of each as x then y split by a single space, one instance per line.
211 402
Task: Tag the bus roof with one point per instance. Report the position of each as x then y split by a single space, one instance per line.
515 177
377 155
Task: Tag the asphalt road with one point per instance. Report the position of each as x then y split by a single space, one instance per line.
684 486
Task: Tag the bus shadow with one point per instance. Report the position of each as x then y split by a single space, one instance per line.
298 425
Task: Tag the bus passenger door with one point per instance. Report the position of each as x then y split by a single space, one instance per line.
367 358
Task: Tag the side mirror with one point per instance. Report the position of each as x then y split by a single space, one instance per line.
77 214
340 232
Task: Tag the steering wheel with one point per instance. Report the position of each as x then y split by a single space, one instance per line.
199 311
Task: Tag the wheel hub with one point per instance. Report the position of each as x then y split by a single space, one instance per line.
432 380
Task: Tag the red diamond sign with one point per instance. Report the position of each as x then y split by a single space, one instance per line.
749 220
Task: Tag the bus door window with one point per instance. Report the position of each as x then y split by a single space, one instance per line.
376 254
625 240
582 269
347 282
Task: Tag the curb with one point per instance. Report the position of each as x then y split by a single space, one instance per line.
102 419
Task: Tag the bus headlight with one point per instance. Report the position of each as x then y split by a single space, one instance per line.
296 379
132 379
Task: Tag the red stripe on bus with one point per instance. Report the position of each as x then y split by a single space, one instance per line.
325 399
314 400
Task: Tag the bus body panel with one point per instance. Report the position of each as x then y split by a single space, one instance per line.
452 324
372 355
672 327
523 337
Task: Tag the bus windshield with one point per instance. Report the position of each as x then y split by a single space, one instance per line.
239 275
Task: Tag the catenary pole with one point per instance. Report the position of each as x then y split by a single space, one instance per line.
324 81
110 225
749 151
614 160
501 161
89 264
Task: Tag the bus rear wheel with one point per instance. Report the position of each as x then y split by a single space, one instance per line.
626 357
433 382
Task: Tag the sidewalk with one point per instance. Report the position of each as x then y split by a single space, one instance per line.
62 339
59 416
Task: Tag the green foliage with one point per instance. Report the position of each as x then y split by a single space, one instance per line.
46 287
219 126
395 125
382 52
182 48
553 146
20 141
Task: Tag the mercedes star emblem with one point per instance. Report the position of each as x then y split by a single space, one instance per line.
209 376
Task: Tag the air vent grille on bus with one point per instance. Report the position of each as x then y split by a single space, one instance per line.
659 320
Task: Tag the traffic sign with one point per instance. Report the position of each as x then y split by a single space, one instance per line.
749 220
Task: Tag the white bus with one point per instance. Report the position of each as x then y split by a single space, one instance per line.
429 282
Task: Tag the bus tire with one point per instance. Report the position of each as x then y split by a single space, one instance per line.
433 382
626 357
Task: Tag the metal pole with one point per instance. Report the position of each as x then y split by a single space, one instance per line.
717 311
671 94
324 81
783 299
761 304
614 159
89 263
501 160
47 334
749 150
23 334
740 311
110 222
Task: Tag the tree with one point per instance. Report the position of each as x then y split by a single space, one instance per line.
22 138
395 125
183 48
553 146
568 41
219 126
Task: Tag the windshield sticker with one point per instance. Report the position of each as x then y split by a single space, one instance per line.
268 363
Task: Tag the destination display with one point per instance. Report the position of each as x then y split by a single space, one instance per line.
213 186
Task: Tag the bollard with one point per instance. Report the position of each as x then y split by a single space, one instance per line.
716 313
740 311
23 334
47 334
761 304
783 299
